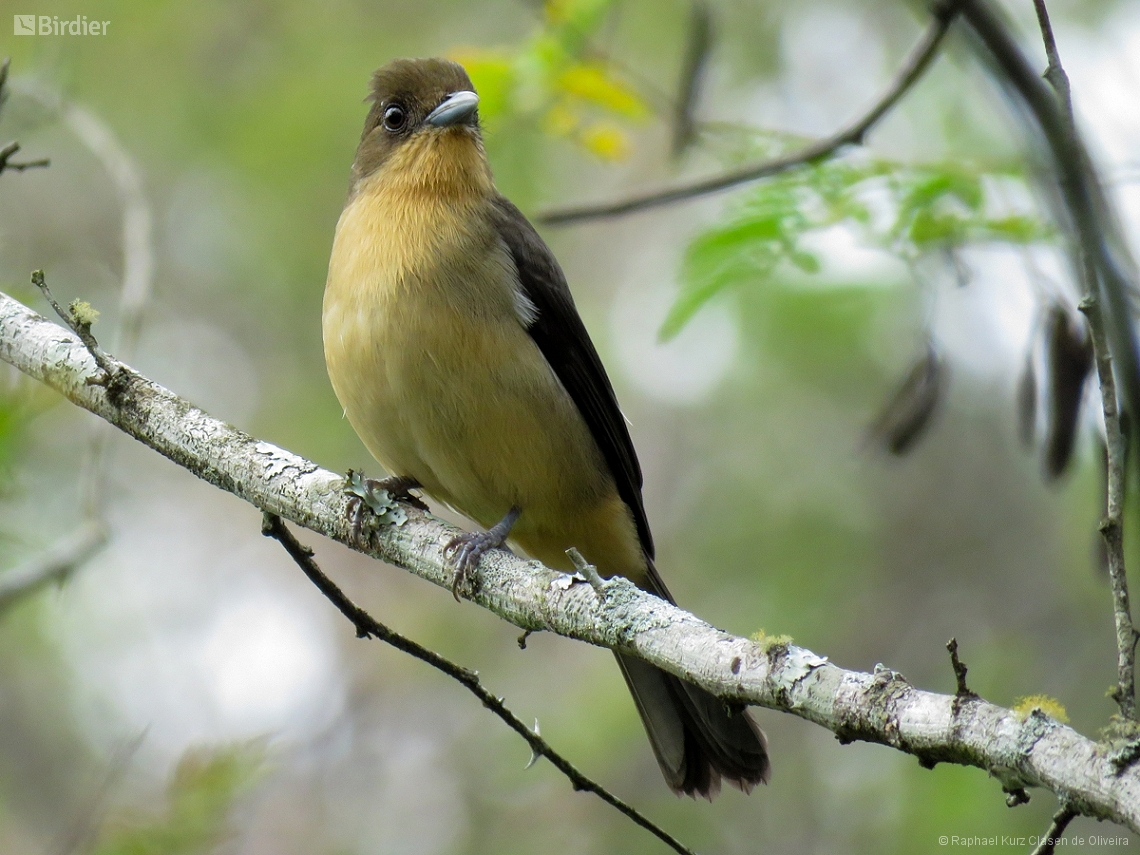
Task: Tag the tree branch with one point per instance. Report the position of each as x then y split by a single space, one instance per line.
1021 751
54 564
854 134
1061 820
368 627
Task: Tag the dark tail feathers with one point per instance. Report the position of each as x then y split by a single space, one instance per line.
694 737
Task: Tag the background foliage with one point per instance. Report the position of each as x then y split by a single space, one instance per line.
188 691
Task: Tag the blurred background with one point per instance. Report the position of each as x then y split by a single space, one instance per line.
187 690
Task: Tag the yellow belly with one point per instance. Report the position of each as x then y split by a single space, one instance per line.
442 383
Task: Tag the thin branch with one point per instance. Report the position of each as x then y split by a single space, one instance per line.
854 134
1054 72
11 148
54 564
960 669
1061 820
79 325
6 163
1112 526
589 571
368 627
1019 751
698 47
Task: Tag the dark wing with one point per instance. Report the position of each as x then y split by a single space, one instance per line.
563 340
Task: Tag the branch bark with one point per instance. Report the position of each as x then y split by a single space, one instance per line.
1021 751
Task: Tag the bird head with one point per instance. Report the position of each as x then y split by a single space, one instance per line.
423 123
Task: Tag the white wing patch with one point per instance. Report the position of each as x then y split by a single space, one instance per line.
525 308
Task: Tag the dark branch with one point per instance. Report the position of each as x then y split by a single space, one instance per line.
1061 820
963 691
368 627
697 50
1055 72
10 149
916 64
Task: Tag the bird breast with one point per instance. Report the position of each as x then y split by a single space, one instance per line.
433 366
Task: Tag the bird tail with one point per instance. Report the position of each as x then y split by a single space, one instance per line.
697 740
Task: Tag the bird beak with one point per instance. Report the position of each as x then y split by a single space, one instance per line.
456 108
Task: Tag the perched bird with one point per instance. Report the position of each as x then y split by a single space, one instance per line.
453 344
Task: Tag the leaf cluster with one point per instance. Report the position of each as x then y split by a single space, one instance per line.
556 79
903 209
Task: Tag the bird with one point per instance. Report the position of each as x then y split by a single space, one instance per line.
453 344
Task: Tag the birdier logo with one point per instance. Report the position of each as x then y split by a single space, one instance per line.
51 25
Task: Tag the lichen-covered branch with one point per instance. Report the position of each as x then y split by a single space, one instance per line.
1021 751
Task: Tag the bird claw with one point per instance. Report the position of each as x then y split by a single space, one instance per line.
373 502
399 487
465 550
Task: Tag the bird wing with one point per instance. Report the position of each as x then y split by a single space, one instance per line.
564 342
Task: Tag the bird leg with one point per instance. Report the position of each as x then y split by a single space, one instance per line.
466 549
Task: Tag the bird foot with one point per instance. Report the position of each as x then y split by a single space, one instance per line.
466 549
373 502
399 487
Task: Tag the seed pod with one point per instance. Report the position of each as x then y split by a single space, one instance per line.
1027 402
908 412
1070 356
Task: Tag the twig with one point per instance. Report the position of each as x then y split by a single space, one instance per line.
854 134
960 669
368 627
1054 72
79 325
10 149
697 49
1111 527
54 564
588 571
1061 820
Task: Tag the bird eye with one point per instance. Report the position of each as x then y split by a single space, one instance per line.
394 118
